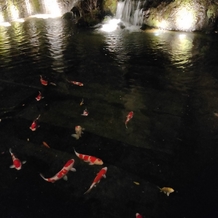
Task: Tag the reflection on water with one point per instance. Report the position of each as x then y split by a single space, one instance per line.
144 71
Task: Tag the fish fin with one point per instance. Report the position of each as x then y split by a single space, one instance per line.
65 178
87 191
168 194
43 177
23 162
75 136
104 176
73 169
90 163
12 166
92 185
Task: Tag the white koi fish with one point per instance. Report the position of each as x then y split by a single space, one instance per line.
79 132
62 173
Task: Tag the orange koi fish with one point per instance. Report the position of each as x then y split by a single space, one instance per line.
82 102
34 124
45 144
39 96
85 113
101 173
17 164
43 81
90 159
62 173
166 190
129 117
138 215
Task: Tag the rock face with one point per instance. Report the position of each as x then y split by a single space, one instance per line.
189 15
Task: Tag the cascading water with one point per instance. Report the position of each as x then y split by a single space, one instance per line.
130 11
13 10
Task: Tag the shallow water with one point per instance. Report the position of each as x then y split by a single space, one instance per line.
169 81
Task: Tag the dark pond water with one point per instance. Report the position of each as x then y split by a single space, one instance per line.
168 79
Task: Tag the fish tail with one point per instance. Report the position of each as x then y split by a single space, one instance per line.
10 151
92 185
43 177
75 136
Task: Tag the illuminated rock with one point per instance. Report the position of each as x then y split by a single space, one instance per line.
190 15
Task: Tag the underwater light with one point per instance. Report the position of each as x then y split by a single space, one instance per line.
185 19
111 25
163 24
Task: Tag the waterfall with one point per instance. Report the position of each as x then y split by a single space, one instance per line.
13 10
130 11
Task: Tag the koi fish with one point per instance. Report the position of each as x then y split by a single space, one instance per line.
76 83
82 102
137 215
90 159
62 173
166 190
17 164
85 113
45 144
101 173
129 117
79 132
39 96
43 81
34 124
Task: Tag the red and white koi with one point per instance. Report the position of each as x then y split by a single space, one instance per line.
101 173
90 159
39 96
138 215
85 113
17 164
43 81
62 173
76 83
79 132
129 117
35 124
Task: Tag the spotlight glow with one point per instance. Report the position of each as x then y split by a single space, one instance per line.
185 20
44 16
5 24
111 25
52 7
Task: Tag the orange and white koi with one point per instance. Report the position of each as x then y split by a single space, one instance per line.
85 113
43 81
82 102
90 159
129 117
101 173
17 164
79 132
45 144
138 215
62 173
166 190
34 124
39 96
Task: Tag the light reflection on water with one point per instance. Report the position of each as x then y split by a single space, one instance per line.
150 72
